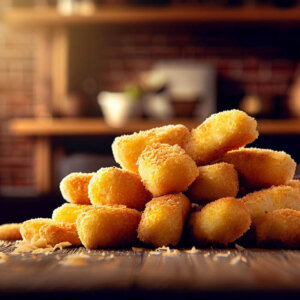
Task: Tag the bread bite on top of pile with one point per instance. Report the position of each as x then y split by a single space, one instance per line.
163 171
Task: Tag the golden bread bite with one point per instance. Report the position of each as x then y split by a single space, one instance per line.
47 232
74 188
30 230
57 233
10 232
163 220
222 132
214 182
220 222
127 148
279 228
261 202
166 169
69 212
261 167
107 227
294 183
111 186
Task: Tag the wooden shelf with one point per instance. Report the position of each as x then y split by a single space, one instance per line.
120 15
97 126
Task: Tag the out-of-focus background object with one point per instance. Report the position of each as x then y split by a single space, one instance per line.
149 63
191 86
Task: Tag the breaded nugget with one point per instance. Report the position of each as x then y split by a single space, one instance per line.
267 200
214 182
127 148
218 134
220 222
60 232
49 231
74 188
107 226
294 183
166 169
69 212
279 228
10 232
163 220
116 186
261 167
30 230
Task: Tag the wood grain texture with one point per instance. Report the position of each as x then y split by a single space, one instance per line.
138 15
97 126
202 270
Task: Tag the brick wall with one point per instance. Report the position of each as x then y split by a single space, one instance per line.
17 58
249 60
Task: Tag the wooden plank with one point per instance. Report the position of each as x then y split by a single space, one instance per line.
203 270
97 126
42 165
61 127
134 15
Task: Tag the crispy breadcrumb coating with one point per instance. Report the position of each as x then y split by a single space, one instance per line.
294 183
57 233
163 220
69 212
166 169
214 182
74 188
116 186
280 228
30 230
107 227
220 133
220 222
47 232
127 148
261 202
10 232
262 167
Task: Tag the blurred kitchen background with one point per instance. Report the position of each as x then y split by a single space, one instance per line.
76 73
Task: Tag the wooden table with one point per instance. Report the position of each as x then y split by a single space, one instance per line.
146 271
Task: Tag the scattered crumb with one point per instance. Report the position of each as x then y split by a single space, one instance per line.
62 245
164 251
103 257
37 247
3 257
4 243
192 250
73 260
171 252
221 255
163 248
237 259
155 252
23 246
240 248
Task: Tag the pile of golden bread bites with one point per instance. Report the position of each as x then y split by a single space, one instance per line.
202 186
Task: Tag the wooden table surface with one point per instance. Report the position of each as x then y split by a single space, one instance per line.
203 270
